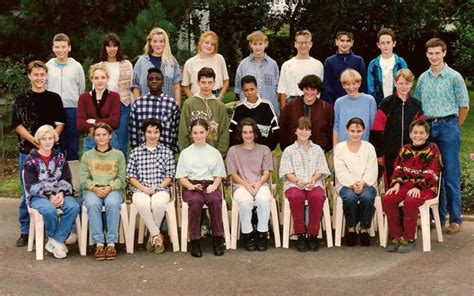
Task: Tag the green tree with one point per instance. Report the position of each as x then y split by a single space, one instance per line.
463 49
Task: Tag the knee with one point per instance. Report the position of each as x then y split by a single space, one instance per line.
92 201
160 200
215 199
295 195
411 204
113 199
49 212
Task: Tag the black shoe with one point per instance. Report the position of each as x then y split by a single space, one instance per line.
364 238
22 240
351 239
218 246
249 242
313 243
262 241
301 244
196 248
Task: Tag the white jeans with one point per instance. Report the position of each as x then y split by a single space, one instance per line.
246 204
152 209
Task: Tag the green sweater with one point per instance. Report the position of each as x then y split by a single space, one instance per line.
215 113
103 168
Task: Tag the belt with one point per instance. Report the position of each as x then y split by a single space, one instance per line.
434 119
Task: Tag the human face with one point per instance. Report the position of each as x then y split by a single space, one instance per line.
206 84
61 50
46 143
99 79
344 44
37 78
310 94
258 48
386 45
435 56
303 134
152 136
250 92
157 44
155 82
303 44
248 136
199 135
208 46
355 132
351 88
102 137
403 87
111 50
418 135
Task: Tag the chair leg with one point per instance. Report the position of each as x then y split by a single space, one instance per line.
286 223
439 229
123 233
31 235
234 225
141 231
339 217
172 225
379 214
276 225
84 229
39 229
225 220
131 229
184 227
384 240
425 227
79 232
327 222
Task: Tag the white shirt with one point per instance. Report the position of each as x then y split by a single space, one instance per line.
293 70
387 74
114 72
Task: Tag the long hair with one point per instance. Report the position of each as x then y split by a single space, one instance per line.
113 39
166 56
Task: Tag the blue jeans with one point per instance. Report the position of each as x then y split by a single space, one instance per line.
447 135
69 139
89 143
56 229
122 130
112 203
23 216
349 203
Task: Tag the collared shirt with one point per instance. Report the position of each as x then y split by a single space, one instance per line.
303 163
162 107
443 94
151 166
267 75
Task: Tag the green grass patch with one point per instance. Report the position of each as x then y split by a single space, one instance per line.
10 186
467 148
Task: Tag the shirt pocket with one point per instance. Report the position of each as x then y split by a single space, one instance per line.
169 71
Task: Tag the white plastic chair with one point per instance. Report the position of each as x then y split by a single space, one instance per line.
170 219
184 221
424 209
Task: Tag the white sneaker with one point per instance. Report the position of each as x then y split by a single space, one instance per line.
65 248
55 248
72 239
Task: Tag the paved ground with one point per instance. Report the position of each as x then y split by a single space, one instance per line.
447 270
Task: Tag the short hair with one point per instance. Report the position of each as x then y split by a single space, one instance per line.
201 122
257 36
98 66
311 81
62 37
342 33
356 121
104 126
435 42
386 31
111 38
304 33
152 122
247 121
214 40
304 122
405 73
206 72
46 129
36 64
248 79
420 122
350 75
154 70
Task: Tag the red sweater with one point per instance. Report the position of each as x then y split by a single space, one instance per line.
108 111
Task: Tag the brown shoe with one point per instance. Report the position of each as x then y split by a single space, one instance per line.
158 242
110 253
99 253
454 228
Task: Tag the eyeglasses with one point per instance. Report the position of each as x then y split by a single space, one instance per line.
303 43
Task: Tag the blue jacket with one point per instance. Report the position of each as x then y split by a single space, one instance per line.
374 76
333 67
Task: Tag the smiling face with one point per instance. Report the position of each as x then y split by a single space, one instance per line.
111 50
46 143
157 44
351 88
207 46
206 84
355 132
155 82
248 135
303 44
418 135
310 94
435 56
258 48
386 45
250 91
199 135
344 44
37 78
403 86
303 134
99 79
61 50
152 136
102 138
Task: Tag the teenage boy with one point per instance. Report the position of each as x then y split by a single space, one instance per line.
334 65
297 67
354 104
66 78
382 69
445 102
31 110
205 105
262 67
258 109
155 104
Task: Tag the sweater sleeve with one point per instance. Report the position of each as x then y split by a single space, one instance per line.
183 135
285 127
371 78
363 73
377 132
328 87
85 175
429 177
119 182
371 170
65 181
223 140
33 186
81 118
343 173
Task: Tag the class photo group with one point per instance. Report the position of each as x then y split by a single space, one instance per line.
362 148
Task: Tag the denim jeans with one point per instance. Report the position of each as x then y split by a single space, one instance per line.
349 203
23 216
246 202
112 203
89 142
69 139
122 130
56 229
447 135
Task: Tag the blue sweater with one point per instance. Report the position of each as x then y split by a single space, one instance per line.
333 67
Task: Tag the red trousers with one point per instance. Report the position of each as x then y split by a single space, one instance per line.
297 197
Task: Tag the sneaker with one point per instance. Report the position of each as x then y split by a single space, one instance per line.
364 238
301 245
454 228
249 242
351 239
262 241
55 248
110 252
393 246
99 252
65 248
204 231
158 242
313 243
22 240
218 246
406 246
72 239
196 248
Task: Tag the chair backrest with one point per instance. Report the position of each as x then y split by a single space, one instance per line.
74 167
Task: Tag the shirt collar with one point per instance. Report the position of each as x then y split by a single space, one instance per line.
252 58
212 97
160 97
443 72
252 105
310 144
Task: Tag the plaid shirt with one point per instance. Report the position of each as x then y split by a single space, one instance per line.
165 109
151 167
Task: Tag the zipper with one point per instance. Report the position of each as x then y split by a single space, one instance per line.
403 122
